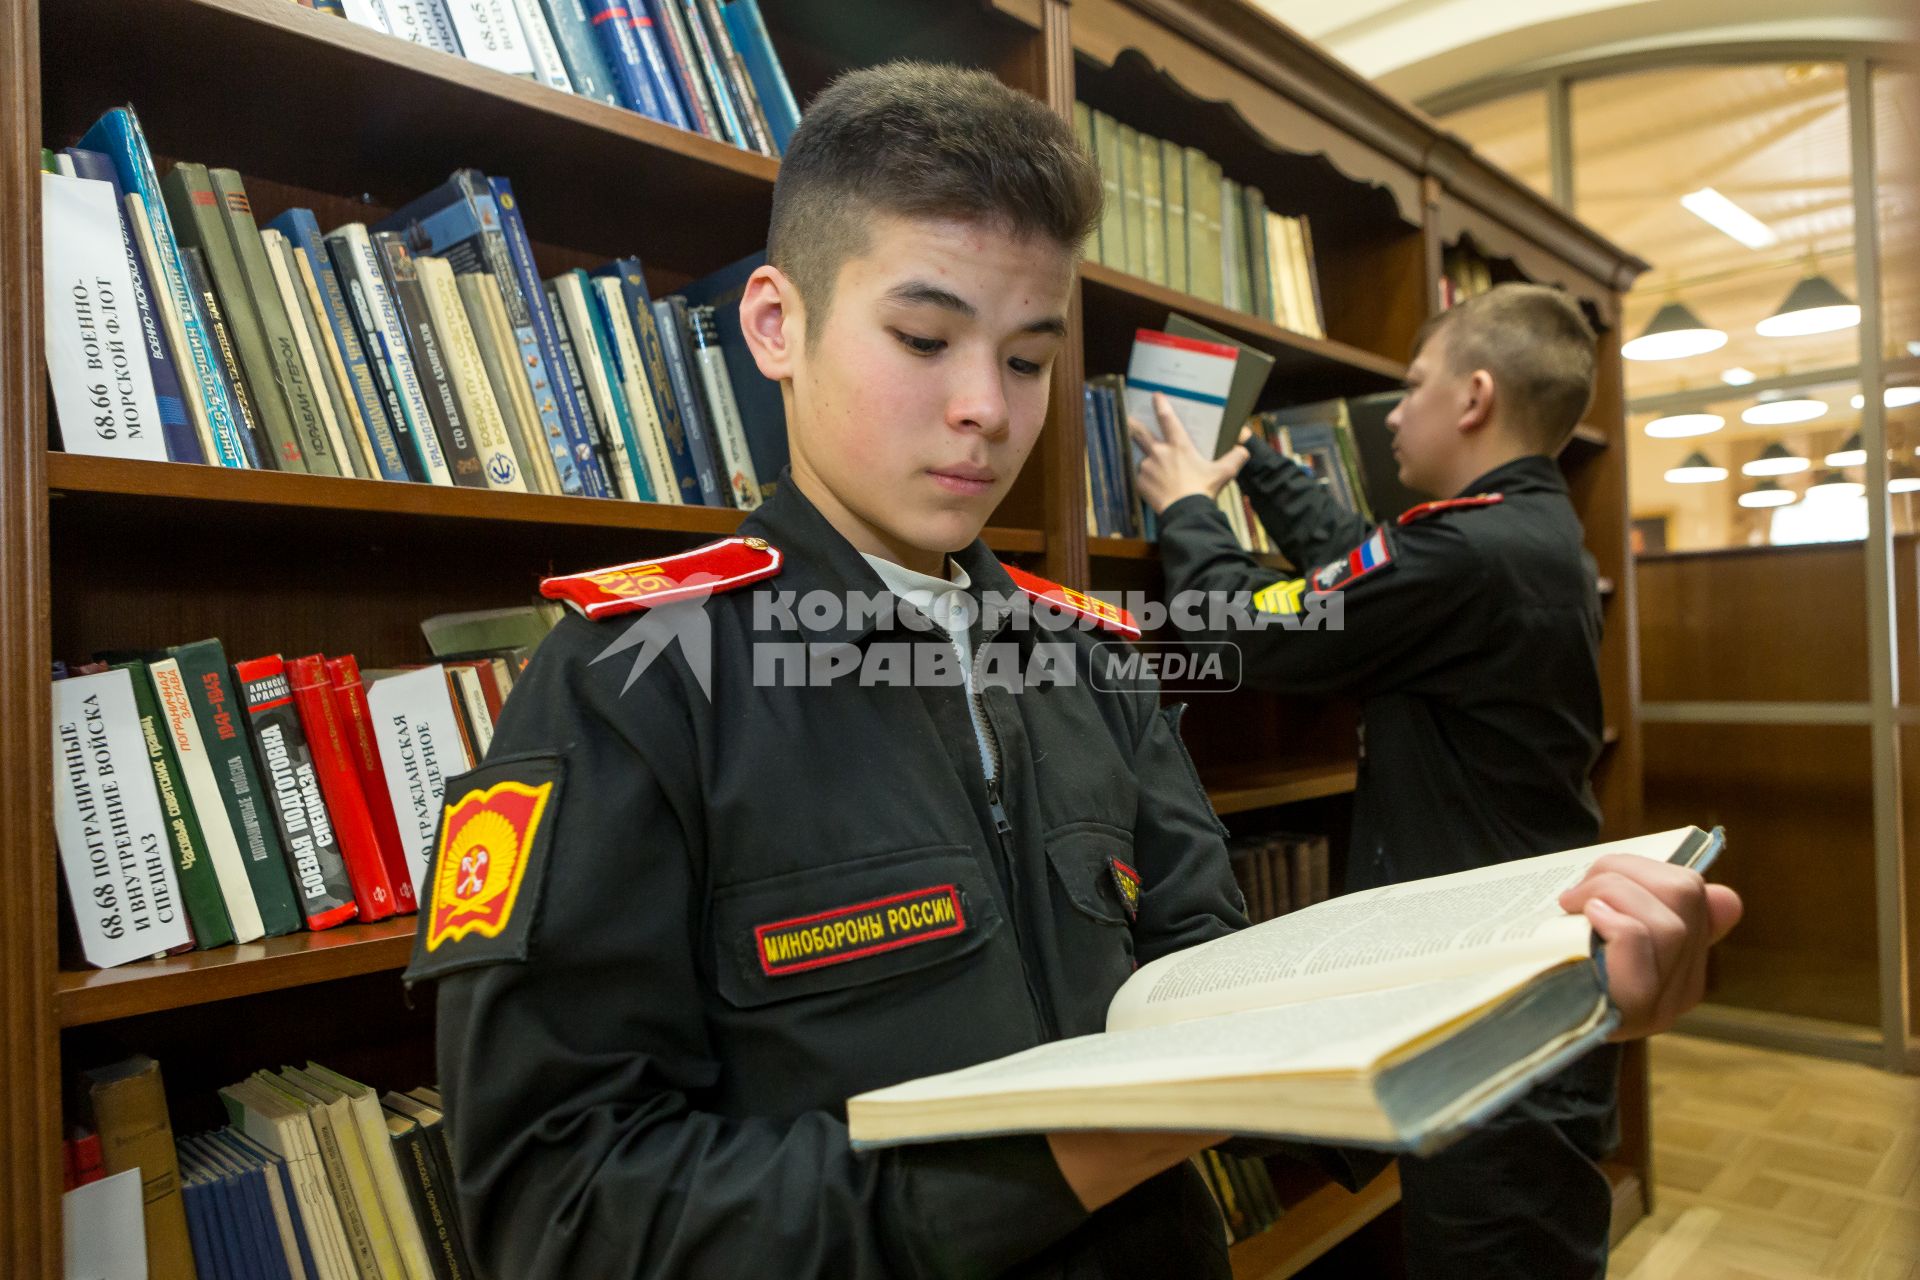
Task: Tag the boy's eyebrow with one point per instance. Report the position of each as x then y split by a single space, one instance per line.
921 293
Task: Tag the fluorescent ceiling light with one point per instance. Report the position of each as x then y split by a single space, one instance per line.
1697 469
1676 426
1832 484
1776 413
1738 376
1850 454
1815 305
1766 495
1892 397
1776 461
1725 216
1673 334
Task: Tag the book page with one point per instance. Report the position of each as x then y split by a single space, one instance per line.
1446 926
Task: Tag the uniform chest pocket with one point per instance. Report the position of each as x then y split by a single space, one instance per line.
869 920
1093 863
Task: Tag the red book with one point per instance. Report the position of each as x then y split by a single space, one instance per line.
340 785
350 700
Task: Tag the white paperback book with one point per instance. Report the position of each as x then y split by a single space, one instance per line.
96 357
490 35
419 736
107 821
1195 375
423 22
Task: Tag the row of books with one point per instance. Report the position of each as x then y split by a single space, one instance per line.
1172 216
1243 1189
199 803
1280 873
315 1175
706 66
425 347
1464 272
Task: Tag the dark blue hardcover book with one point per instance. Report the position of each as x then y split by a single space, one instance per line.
245 1246
474 223
580 51
622 47
193 1200
572 353
762 411
732 127
223 1219
252 1181
681 56
302 231
1111 448
670 318
633 286
118 136
653 50
183 444
1096 462
763 68
249 1151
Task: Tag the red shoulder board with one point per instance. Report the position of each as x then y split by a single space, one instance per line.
1426 509
1110 616
703 571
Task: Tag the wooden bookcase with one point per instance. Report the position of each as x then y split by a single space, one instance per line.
317 112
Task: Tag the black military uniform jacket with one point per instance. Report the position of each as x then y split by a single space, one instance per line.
1471 636
646 1062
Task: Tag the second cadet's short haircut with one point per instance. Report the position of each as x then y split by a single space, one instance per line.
1538 348
917 140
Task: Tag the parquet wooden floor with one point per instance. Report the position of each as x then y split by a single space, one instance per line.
1776 1166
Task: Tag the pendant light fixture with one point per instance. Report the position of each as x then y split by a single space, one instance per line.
1673 334
1907 481
1850 454
1767 493
1832 485
1815 305
1677 426
1783 411
1892 398
1775 461
1697 469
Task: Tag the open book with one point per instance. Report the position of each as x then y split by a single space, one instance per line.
1393 1018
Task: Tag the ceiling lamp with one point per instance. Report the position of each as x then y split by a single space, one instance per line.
1697 469
1672 334
1892 397
1779 413
1775 461
1677 426
1766 494
1907 482
1738 376
1850 454
1816 305
1832 484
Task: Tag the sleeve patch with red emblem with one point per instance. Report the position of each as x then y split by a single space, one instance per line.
859 930
719 566
1127 880
483 890
1374 554
1426 509
1111 617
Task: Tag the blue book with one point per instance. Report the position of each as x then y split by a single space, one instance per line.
248 1152
475 225
580 51
193 1199
600 346
763 68
676 343
733 129
659 379
762 411
653 50
622 47
1096 461
302 231
183 443
117 134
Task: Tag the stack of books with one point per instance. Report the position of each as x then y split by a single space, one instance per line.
1280 873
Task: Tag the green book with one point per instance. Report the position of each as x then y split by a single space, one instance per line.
1173 190
1203 225
1153 212
236 212
1233 255
222 720
198 225
1083 130
47 163
198 884
1255 214
1133 214
1113 227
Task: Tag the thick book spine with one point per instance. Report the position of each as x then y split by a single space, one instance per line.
592 411
254 911
580 51
498 352
342 437
666 84
118 135
176 334
199 885
360 266
367 437
641 405
592 349
490 36
624 59
299 810
363 749
763 66
543 44
743 484
687 394
423 1193
429 359
659 382
373 891
499 465
681 56
379 365
260 449
129 1105
176 424
302 401
439 1165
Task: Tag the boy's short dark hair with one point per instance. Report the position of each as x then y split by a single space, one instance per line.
1539 349
918 140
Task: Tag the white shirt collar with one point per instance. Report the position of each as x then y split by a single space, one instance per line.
930 595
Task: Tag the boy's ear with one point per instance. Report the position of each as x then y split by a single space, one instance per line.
1477 412
772 321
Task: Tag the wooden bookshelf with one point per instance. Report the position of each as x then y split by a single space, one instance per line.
314 111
